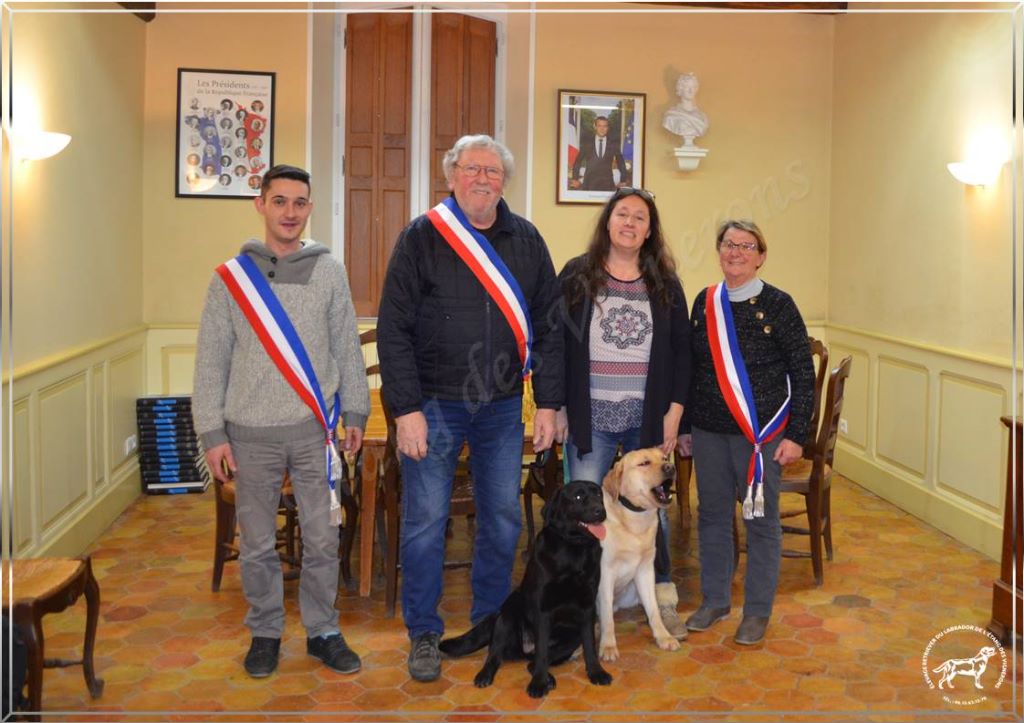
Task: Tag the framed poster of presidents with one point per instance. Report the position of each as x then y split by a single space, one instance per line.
225 133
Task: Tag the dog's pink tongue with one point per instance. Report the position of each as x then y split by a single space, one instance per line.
597 530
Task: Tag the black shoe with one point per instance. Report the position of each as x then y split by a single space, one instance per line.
425 658
705 617
751 630
261 660
333 652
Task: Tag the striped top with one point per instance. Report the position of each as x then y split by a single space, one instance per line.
621 330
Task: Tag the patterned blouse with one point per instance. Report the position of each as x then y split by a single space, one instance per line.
621 330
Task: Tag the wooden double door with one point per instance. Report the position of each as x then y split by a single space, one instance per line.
379 124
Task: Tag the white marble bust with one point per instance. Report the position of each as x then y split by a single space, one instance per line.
686 119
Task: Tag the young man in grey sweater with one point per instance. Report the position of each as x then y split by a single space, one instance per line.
254 424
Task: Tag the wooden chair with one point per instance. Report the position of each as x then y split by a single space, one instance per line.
684 471
50 585
388 516
819 352
812 478
225 548
543 477
352 483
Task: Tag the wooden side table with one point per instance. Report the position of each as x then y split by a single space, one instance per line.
1006 597
51 585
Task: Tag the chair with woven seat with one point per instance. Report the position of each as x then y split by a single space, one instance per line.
819 355
225 548
812 478
50 585
389 519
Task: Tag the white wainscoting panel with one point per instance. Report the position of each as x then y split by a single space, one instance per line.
901 402
934 444
972 453
125 374
62 448
25 500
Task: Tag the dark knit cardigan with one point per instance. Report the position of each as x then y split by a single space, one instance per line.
773 341
668 369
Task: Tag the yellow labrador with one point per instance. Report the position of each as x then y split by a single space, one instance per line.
634 490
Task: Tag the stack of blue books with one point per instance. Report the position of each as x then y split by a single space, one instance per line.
170 459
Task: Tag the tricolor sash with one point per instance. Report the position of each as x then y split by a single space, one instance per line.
274 329
490 270
731 372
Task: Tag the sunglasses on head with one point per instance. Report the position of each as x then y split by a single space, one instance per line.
624 191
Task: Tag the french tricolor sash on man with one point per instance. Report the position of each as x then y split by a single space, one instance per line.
274 329
490 270
731 372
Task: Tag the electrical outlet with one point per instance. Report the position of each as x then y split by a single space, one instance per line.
130 443
844 428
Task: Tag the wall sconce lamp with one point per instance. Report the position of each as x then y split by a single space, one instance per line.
975 172
35 145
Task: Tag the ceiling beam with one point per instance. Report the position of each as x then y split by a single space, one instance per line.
143 11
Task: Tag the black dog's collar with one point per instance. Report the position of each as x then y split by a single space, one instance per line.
629 505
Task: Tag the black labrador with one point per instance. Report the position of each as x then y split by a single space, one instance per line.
553 610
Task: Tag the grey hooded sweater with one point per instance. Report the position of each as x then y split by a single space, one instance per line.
239 392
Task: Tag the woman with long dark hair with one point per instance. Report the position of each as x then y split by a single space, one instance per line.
627 339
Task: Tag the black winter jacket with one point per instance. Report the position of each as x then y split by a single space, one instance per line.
773 341
440 335
668 370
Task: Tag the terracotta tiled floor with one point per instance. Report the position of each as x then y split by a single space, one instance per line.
169 648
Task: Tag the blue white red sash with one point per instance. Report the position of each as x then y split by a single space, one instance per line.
490 270
274 329
731 372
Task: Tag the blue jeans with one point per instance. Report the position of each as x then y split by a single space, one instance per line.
595 465
494 431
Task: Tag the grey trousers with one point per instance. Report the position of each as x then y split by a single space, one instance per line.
721 462
261 468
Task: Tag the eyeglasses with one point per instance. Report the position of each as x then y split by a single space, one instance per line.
624 191
472 170
747 248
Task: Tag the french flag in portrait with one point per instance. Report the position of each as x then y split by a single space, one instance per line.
572 130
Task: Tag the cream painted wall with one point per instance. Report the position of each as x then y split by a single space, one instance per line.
517 107
77 225
920 266
185 238
766 85
915 254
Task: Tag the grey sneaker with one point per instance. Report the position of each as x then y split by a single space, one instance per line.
751 630
673 624
425 658
333 651
705 617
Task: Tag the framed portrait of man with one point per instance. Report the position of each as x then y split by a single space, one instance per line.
600 144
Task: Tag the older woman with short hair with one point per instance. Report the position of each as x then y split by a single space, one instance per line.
750 407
